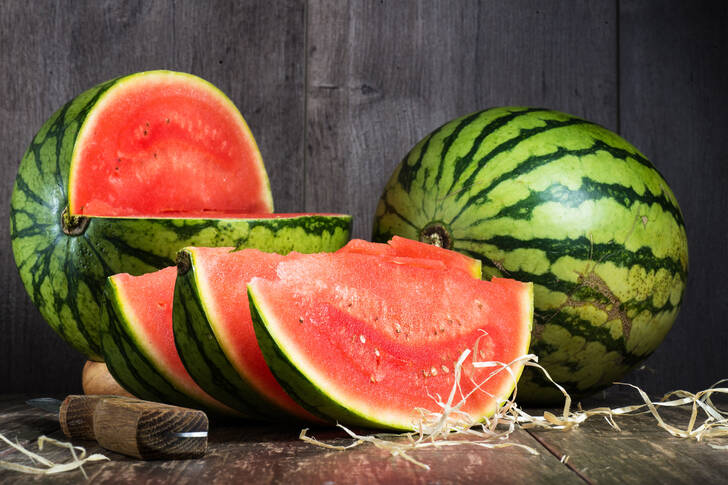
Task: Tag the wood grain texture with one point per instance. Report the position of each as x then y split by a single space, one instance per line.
381 75
269 454
640 453
253 51
674 108
146 430
97 380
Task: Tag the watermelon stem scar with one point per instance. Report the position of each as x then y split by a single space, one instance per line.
73 225
437 234
183 263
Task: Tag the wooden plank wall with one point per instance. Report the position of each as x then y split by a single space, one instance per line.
337 92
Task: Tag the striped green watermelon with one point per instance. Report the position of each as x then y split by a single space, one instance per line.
371 340
126 174
138 345
546 197
213 329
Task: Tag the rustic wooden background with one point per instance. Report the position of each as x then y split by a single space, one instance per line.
337 92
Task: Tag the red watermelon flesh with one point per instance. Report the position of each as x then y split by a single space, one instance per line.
164 143
222 277
146 301
372 340
399 247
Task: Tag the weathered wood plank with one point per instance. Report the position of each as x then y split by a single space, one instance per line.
641 453
253 51
270 454
673 77
381 75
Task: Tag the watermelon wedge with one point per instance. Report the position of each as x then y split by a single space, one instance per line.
214 332
139 346
365 340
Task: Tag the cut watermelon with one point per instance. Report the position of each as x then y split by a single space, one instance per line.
139 346
125 175
166 143
214 332
363 340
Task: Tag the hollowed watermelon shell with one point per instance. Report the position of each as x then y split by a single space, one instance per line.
214 332
125 175
138 344
362 340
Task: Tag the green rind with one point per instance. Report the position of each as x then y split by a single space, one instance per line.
508 183
65 279
132 368
205 360
40 247
64 275
295 383
195 338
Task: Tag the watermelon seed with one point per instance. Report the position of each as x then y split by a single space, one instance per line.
371 378
363 339
397 328
376 352
425 373
445 369
300 319
167 121
433 371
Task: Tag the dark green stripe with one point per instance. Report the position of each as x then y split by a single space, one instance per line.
461 164
407 172
532 163
205 360
583 248
393 211
589 190
130 367
507 146
450 139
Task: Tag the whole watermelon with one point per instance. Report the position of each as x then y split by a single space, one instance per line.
550 198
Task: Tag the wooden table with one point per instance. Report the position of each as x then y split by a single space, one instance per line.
245 453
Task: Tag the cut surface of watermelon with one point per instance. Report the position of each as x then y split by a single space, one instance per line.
400 247
219 277
214 331
138 343
162 142
367 341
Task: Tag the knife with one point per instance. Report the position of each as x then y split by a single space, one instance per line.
142 429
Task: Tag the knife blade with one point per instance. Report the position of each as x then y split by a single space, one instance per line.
133 427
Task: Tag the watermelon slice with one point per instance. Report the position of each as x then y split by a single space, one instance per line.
364 340
139 346
214 332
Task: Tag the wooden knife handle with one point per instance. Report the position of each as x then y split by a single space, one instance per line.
133 427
